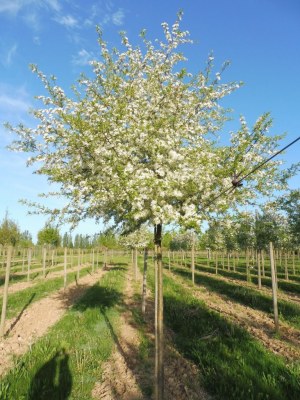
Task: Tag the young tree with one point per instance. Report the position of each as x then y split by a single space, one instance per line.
138 142
49 235
9 232
26 239
290 204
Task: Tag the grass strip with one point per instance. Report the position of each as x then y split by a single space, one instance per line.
66 363
289 286
250 297
19 301
233 364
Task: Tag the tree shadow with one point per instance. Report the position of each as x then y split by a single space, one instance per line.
13 278
225 353
130 353
20 315
53 381
245 295
98 297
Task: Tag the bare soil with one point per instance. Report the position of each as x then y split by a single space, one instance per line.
124 374
34 322
51 273
258 323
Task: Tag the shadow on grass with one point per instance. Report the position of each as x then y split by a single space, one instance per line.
13 278
233 365
53 381
98 297
130 353
245 295
119 266
288 286
20 315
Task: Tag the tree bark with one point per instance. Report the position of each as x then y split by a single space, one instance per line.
144 291
5 291
135 264
65 267
159 337
274 288
259 269
193 260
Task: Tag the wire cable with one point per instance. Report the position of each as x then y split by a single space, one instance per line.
238 182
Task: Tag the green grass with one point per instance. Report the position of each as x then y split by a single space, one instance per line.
233 365
66 363
293 285
17 302
248 296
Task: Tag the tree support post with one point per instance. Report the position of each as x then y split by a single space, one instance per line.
159 335
5 292
274 287
144 290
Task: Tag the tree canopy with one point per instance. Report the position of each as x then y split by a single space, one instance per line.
49 235
9 232
139 142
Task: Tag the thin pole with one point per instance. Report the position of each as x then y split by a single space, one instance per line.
5 292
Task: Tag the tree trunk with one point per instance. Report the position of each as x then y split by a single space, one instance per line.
78 265
135 264
258 269
29 263
44 261
144 290
286 272
159 337
65 267
274 288
263 263
193 260
5 291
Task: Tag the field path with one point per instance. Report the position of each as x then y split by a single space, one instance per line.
51 274
125 373
28 326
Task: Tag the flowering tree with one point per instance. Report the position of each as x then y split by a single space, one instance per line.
138 142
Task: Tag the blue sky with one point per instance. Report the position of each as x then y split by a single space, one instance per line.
261 38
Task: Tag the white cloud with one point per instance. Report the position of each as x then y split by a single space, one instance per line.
118 17
83 57
7 60
104 14
66 20
54 4
13 103
36 40
13 7
32 20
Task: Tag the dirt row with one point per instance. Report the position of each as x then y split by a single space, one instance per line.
124 375
23 330
51 274
257 323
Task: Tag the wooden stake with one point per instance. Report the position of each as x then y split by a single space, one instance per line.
159 339
144 289
5 291
29 263
193 260
135 264
274 288
44 261
65 267
258 269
